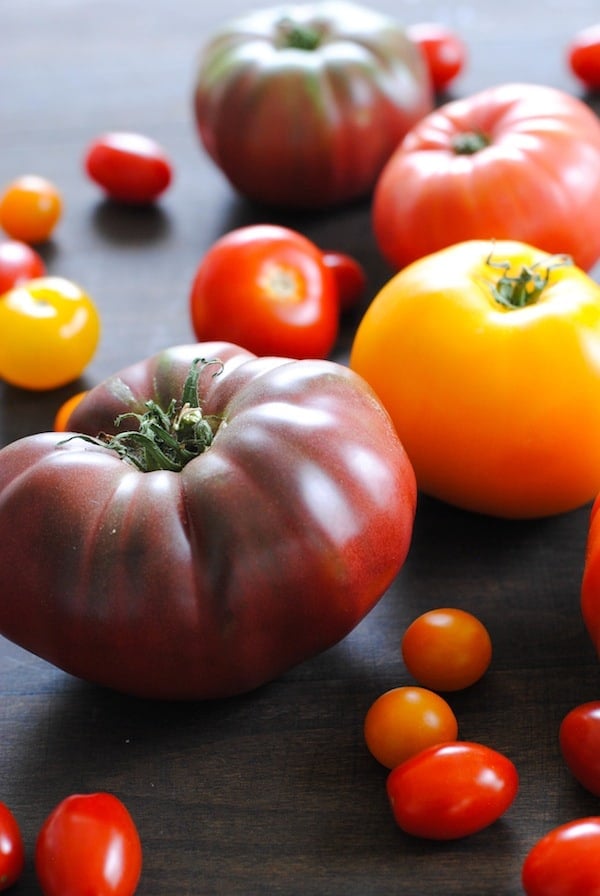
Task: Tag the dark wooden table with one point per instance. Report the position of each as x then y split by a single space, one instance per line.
273 792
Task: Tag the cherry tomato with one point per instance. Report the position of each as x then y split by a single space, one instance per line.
405 720
49 330
446 649
579 739
18 264
30 208
12 852
451 790
88 844
129 167
267 289
61 420
564 862
444 52
350 277
583 55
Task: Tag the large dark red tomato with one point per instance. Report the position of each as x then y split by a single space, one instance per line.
276 509
302 105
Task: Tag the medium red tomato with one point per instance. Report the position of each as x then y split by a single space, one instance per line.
30 208
446 649
267 289
583 55
18 264
496 165
404 721
579 739
350 277
12 851
564 862
451 790
444 52
89 844
130 168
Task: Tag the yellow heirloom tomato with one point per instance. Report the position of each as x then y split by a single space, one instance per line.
49 331
487 357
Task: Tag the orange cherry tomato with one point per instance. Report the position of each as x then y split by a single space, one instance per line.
61 420
446 649
30 208
404 721
49 331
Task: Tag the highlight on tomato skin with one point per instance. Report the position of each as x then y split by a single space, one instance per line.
19 263
564 862
129 167
579 740
12 849
444 51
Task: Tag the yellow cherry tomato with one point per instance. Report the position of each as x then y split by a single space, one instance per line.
49 332
63 415
487 357
30 208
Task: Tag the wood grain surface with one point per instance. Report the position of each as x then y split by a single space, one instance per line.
273 792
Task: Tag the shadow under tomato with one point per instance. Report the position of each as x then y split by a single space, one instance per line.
131 225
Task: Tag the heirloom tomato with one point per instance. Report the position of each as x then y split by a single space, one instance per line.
129 167
18 264
89 844
301 105
564 862
583 54
268 289
30 207
444 52
225 519
451 790
497 165
49 331
12 850
487 357
405 720
579 739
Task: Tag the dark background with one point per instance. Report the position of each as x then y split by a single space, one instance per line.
274 792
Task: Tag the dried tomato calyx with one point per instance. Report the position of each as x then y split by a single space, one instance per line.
528 285
469 142
166 439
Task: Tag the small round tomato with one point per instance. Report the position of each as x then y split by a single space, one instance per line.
583 55
451 790
18 264
89 844
446 649
49 331
267 289
63 415
564 862
350 277
579 739
444 52
405 720
12 852
129 167
30 208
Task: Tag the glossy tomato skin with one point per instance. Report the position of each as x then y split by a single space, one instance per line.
442 353
19 262
301 106
30 208
451 790
496 165
350 276
579 739
49 332
263 551
89 844
564 862
268 289
129 167
12 850
445 53
583 55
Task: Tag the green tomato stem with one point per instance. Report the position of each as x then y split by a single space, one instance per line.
528 285
298 37
469 142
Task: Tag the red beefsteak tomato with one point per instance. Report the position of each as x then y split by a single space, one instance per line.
301 106
515 161
257 510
